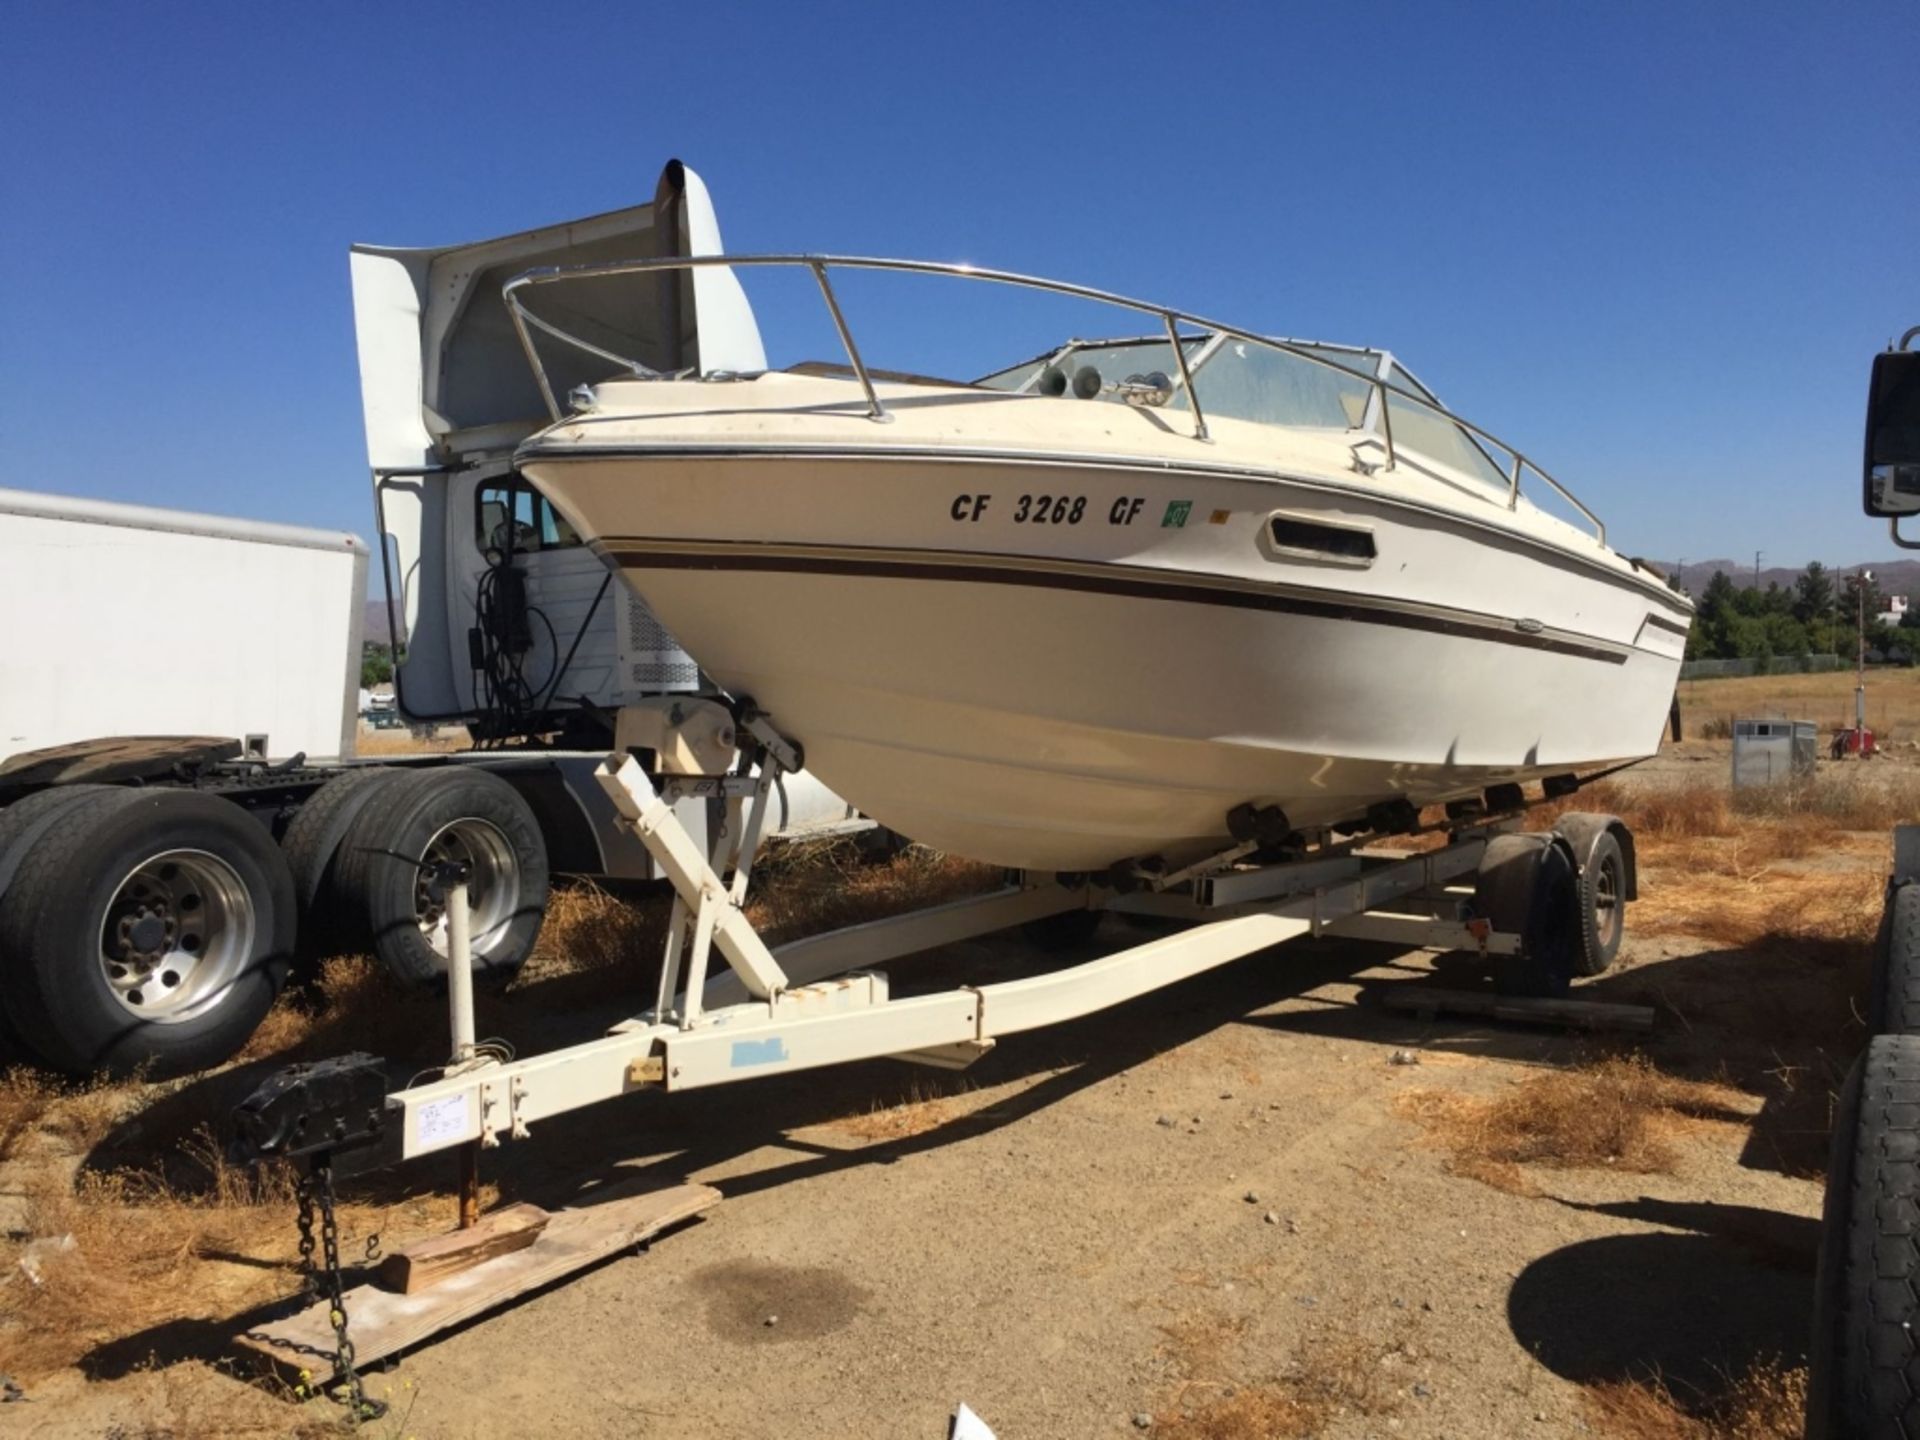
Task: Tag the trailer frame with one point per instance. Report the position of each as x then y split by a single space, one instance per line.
818 1001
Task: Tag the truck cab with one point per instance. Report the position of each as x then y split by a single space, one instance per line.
500 617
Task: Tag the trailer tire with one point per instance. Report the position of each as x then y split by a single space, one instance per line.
201 907
312 844
1893 994
450 812
1526 886
1603 905
1865 1365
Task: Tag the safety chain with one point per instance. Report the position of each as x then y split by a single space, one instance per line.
324 1282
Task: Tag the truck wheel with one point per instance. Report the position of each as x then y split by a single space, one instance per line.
22 823
312 846
1893 994
1526 886
1865 1367
148 928
451 813
1603 905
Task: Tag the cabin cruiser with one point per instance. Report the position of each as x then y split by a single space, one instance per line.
1125 602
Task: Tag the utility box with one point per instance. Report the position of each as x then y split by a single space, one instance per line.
1767 752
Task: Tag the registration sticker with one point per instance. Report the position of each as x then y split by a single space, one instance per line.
1176 516
440 1121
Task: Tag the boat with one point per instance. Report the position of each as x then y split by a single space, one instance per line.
1129 602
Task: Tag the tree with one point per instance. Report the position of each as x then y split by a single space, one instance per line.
376 665
1850 594
1813 594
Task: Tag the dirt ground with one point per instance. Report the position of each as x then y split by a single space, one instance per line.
1225 1210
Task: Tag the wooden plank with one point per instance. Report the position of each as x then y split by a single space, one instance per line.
414 1267
382 1323
1578 1014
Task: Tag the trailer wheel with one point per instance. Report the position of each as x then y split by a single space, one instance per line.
1526 886
1893 994
312 845
149 928
1865 1370
1603 905
451 813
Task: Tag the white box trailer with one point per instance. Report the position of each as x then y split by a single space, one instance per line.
132 620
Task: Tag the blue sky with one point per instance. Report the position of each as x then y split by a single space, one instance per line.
1654 245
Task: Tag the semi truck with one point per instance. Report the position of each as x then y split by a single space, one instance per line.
1864 1362
182 811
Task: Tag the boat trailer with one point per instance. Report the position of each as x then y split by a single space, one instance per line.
1526 900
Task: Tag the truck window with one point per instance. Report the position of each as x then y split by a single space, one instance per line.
536 525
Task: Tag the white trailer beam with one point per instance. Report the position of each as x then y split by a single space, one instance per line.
765 1019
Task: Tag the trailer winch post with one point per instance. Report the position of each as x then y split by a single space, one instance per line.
460 1015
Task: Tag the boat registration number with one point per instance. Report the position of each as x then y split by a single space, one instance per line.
1046 509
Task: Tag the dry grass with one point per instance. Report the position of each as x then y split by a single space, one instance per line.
1333 1375
804 889
1617 1114
926 1106
74 1115
1767 1403
122 1253
1893 700
446 741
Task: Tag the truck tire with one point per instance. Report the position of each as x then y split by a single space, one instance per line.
1893 993
1526 886
453 812
148 929
22 823
1864 1363
312 845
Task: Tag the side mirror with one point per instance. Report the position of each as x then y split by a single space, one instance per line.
1892 463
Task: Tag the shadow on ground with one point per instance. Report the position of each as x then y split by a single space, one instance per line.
1726 1287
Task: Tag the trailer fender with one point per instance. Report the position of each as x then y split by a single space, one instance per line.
1582 831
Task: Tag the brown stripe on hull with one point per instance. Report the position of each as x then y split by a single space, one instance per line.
1133 586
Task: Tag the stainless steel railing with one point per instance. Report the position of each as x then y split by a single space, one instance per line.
1384 392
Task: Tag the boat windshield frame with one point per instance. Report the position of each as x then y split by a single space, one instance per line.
1381 381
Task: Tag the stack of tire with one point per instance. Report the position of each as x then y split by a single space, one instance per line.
150 928
1865 1360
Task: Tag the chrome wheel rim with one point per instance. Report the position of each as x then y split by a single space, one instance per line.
177 934
493 891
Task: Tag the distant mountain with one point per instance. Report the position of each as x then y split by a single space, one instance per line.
377 632
1891 577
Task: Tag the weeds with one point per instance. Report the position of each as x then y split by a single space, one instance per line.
1767 1403
925 1107
1332 1375
1617 1114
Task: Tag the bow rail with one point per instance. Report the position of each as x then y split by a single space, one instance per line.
1171 319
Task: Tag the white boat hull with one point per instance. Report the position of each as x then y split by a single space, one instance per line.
1067 696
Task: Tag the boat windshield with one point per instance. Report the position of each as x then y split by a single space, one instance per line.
1246 381
1115 360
